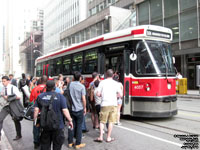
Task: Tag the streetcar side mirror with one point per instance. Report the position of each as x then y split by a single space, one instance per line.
133 56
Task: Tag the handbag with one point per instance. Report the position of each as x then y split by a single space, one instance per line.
29 112
26 91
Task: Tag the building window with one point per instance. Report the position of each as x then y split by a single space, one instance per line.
82 36
93 31
106 26
185 4
99 29
188 25
143 13
101 6
156 12
93 11
87 33
171 17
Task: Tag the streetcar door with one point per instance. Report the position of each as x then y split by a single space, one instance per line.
45 69
114 60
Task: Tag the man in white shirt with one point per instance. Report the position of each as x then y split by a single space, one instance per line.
109 90
7 90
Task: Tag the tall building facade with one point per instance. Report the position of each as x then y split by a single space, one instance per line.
103 16
182 16
58 16
11 37
32 46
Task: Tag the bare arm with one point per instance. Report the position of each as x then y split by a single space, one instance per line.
84 103
98 94
67 115
36 112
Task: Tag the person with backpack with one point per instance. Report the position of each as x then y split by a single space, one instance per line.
23 82
34 94
52 108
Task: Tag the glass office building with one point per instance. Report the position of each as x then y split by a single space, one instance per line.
182 16
60 15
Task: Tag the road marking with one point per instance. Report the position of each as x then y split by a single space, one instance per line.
154 137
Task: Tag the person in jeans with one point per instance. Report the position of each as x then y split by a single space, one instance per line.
78 92
59 106
6 91
34 94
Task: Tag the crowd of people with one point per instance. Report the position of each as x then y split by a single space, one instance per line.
102 98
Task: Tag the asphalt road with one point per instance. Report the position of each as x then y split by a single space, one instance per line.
133 134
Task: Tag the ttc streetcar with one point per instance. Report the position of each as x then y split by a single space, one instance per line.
141 55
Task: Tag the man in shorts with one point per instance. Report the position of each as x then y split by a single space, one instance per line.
109 90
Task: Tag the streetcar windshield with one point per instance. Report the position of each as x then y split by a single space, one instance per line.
154 57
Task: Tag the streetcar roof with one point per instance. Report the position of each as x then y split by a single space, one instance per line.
150 32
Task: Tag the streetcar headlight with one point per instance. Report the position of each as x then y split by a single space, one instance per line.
148 88
169 86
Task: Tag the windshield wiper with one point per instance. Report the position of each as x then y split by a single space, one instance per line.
162 50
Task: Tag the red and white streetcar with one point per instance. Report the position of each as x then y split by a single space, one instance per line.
142 56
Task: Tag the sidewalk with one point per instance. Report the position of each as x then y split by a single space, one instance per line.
4 143
190 94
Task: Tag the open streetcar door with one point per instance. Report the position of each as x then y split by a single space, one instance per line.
45 69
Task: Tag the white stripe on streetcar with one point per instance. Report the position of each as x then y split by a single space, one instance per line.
154 137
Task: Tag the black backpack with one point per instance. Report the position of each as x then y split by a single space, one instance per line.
68 98
22 82
49 120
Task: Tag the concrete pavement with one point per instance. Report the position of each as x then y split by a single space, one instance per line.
27 143
4 143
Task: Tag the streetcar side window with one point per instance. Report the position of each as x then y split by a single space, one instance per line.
58 66
90 62
66 65
39 70
77 62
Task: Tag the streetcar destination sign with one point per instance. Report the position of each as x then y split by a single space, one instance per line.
158 34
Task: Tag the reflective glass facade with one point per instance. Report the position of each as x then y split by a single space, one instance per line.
182 16
60 15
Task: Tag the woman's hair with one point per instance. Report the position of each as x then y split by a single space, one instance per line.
96 83
116 77
60 75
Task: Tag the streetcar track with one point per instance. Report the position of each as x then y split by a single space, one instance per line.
160 126
173 129
186 119
189 111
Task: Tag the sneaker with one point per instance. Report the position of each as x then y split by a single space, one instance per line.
71 145
119 124
83 135
80 146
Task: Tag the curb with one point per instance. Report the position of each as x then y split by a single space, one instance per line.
194 96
